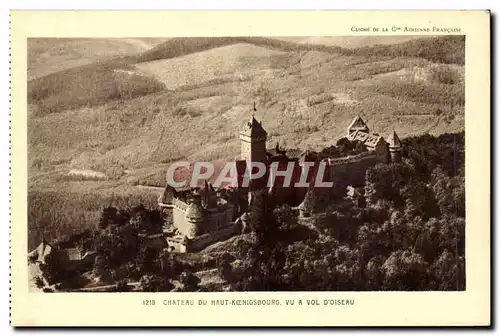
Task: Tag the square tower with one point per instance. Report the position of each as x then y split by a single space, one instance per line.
253 139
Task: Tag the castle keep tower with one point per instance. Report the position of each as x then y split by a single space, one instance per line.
253 139
395 147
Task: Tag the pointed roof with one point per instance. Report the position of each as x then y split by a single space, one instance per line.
253 128
358 124
205 188
394 141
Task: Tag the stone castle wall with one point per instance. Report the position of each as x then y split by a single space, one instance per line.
179 209
217 219
214 219
351 170
206 239
253 150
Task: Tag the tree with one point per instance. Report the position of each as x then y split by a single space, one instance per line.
344 146
109 216
450 193
384 181
117 245
53 271
374 275
405 270
449 271
39 282
189 281
147 259
285 217
224 266
155 283
121 286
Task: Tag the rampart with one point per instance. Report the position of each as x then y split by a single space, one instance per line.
352 159
199 242
350 170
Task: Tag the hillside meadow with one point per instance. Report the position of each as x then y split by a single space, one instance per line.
49 55
121 121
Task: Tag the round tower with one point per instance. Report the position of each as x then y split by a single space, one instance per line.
195 217
395 147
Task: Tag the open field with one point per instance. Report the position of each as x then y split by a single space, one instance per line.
48 55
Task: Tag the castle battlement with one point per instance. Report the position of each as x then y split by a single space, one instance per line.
352 158
180 205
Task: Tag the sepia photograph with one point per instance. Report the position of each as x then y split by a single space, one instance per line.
246 164
250 168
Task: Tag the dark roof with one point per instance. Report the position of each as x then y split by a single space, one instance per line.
394 141
358 124
241 165
71 254
368 139
207 188
253 128
309 155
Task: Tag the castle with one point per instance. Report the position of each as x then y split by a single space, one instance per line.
203 216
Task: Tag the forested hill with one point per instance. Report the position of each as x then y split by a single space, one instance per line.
445 49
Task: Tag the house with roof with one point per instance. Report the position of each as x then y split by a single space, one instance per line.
73 259
70 259
39 254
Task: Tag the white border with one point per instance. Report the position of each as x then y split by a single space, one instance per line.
172 4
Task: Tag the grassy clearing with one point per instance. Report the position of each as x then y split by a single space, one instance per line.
49 55
236 62
442 94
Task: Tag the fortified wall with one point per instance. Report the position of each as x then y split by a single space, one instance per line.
203 217
350 171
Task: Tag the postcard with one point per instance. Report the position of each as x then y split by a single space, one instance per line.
250 168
